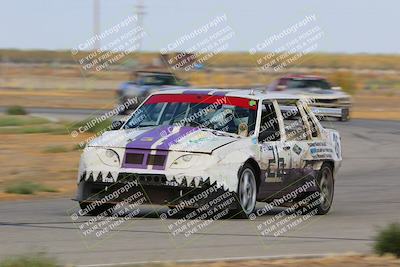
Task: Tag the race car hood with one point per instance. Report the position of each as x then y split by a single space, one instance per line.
172 138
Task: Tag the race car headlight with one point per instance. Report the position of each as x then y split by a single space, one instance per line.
185 161
109 157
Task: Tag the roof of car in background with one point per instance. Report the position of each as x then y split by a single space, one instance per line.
302 76
155 72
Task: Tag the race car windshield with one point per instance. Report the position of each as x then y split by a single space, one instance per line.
225 117
158 80
303 84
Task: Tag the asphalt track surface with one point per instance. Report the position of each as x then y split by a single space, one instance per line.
367 196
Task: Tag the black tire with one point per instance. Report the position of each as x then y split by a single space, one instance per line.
247 191
326 188
97 210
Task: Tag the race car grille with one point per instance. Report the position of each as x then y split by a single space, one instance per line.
133 158
143 159
145 179
157 160
155 179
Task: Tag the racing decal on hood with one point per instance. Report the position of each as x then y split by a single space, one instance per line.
148 138
151 147
174 138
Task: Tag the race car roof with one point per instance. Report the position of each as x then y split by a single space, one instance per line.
246 93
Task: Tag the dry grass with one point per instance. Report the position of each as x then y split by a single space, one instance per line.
331 261
370 106
24 158
99 99
31 260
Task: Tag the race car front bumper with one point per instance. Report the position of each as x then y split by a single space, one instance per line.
155 187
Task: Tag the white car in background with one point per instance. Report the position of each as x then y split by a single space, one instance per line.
181 142
329 101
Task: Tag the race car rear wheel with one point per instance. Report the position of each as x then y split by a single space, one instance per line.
96 210
247 190
326 189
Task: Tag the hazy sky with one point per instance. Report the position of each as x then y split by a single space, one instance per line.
349 25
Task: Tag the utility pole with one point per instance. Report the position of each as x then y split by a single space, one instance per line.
96 23
140 14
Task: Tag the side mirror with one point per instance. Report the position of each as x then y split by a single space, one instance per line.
116 125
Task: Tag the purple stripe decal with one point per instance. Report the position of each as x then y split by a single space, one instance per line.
147 139
196 92
174 139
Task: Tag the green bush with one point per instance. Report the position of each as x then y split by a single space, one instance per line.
388 240
13 120
38 260
16 110
55 149
28 188
78 147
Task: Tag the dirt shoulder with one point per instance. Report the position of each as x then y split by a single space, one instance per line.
330 261
376 107
50 160
46 98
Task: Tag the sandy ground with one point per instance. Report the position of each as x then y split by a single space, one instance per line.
331 261
337 261
24 158
81 99
377 107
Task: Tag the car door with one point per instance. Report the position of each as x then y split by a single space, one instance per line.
274 155
297 137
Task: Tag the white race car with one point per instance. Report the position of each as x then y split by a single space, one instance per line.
328 101
180 143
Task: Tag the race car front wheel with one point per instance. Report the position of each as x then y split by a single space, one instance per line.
247 190
326 189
